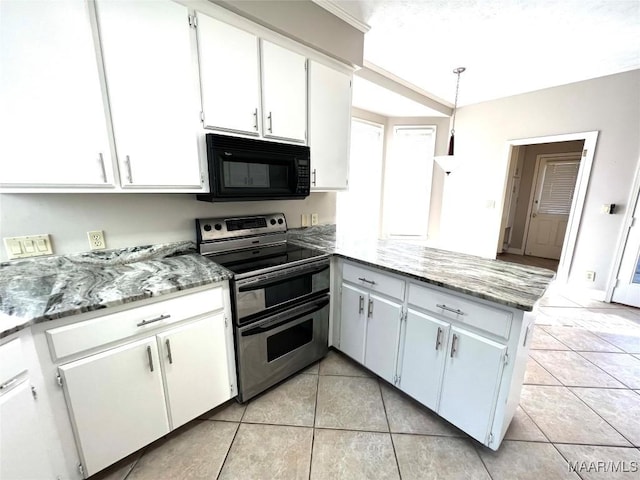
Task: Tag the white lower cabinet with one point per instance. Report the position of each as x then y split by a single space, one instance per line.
23 454
116 401
194 362
371 313
353 321
462 358
423 356
472 374
176 365
383 330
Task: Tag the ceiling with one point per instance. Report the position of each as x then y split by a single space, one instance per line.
508 46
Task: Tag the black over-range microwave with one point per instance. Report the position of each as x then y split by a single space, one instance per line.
248 169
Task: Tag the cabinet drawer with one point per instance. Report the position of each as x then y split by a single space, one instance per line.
81 336
468 312
12 362
373 280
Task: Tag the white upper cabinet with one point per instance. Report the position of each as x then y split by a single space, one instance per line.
329 127
284 93
229 76
152 86
52 119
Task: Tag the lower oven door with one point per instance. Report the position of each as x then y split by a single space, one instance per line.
278 346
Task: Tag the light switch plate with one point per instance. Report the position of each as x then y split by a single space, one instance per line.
304 220
28 246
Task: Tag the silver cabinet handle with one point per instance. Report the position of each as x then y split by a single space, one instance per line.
153 320
103 169
438 336
6 385
255 119
168 343
454 344
526 335
270 118
150 357
313 180
370 282
370 309
128 164
361 304
457 311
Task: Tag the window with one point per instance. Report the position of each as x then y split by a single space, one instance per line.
358 209
408 175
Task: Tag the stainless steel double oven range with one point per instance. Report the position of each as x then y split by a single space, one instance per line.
280 297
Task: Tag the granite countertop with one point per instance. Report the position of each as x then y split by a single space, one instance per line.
501 282
46 288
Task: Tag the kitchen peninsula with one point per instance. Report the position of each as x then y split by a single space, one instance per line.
450 330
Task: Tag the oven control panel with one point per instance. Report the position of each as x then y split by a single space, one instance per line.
223 228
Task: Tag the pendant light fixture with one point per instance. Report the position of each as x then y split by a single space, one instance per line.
449 162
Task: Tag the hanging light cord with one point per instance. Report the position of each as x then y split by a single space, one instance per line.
457 71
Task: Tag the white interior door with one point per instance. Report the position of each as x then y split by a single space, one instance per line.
627 288
555 184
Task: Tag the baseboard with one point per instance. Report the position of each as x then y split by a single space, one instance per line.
516 251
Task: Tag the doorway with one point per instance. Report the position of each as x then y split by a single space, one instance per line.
525 183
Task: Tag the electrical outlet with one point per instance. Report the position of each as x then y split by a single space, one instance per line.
96 240
304 220
590 276
314 219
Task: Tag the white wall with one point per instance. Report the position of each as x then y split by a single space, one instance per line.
134 219
609 104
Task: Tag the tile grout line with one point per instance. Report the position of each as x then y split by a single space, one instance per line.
235 434
599 367
542 367
315 413
386 417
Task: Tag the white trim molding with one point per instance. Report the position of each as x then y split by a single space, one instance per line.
342 14
582 182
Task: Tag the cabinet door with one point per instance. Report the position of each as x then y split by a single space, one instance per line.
423 356
383 332
229 76
152 92
52 115
473 369
284 93
353 321
195 365
329 127
116 402
23 452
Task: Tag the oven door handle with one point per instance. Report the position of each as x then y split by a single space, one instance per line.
279 278
278 320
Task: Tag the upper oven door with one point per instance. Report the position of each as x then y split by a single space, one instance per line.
244 169
260 295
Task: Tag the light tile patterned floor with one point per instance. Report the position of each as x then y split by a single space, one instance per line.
335 420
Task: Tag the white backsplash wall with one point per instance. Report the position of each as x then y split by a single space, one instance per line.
134 219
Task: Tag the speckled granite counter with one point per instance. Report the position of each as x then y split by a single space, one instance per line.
46 288
505 283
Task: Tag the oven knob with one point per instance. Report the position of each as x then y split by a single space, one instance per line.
218 226
280 221
207 228
272 221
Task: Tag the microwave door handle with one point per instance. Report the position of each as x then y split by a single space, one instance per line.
271 323
278 279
